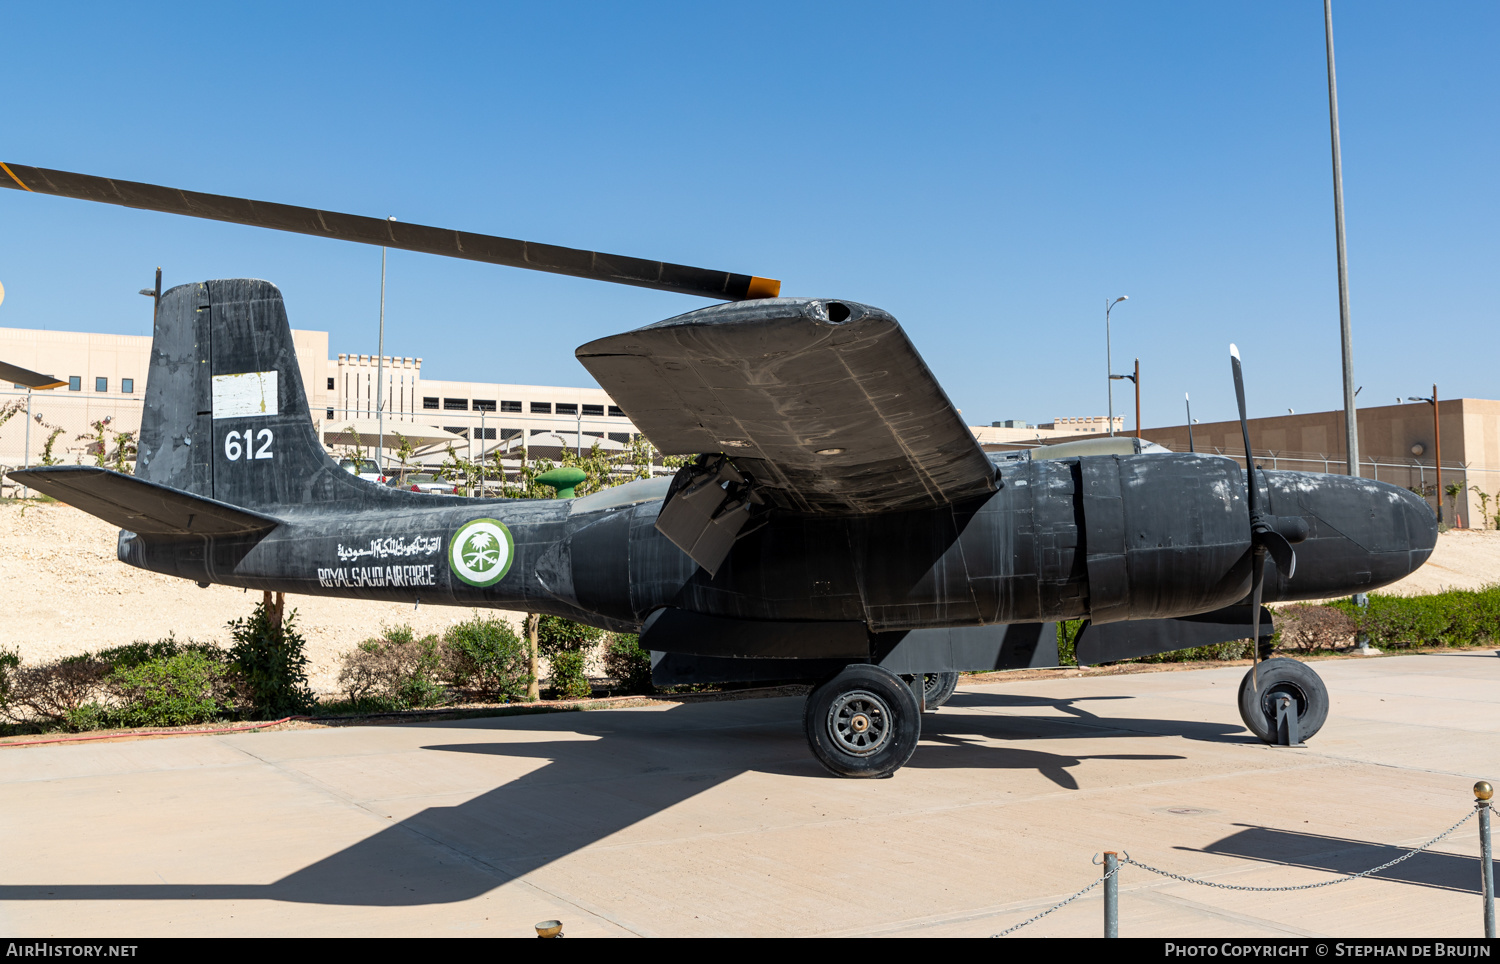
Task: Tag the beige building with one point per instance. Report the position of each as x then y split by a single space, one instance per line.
106 376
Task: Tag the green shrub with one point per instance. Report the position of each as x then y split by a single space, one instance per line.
395 671
485 655
271 664
569 679
628 663
566 644
1458 617
189 687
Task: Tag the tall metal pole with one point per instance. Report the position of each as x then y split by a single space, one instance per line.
1137 380
1109 367
380 372
380 375
1351 424
1109 359
1189 402
1437 461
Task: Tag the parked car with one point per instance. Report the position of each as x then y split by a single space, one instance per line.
364 468
425 482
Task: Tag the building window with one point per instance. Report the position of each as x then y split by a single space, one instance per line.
593 410
127 386
455 404
567 408
484 433
622 437
614 412
541 408
330 384
510 407
429 402
484 404
538 431
458 430
506 434
75 383
101 384
330 413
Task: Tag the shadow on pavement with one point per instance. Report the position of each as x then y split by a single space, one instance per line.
638 765
1343 855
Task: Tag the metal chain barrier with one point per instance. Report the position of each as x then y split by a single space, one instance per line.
1480 806
1056 906
1322 883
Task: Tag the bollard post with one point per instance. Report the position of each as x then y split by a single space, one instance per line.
1112 894
1482 793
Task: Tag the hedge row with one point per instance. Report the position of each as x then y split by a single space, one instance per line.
1455 618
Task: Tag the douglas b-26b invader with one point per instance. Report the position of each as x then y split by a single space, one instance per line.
838 522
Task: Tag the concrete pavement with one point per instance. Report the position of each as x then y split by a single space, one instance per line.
713 819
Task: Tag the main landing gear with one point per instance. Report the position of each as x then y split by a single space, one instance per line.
937 689
1286 704
864 722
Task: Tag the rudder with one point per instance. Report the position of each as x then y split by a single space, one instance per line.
226 414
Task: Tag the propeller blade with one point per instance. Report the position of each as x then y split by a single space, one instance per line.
1239 395
661 275
1281 550
1257 584
26 378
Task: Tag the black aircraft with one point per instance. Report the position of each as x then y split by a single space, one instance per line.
838 523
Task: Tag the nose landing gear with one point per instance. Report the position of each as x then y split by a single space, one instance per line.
1285 686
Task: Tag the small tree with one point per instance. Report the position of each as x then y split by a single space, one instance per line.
268 654
404 453
1454 490
566 645
1484 504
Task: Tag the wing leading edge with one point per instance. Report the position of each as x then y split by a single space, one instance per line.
825 404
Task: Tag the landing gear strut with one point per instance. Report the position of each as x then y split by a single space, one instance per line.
864 722
1281 679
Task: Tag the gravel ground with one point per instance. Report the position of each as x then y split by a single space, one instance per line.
69 594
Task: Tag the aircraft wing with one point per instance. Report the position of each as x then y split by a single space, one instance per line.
825 404
141 506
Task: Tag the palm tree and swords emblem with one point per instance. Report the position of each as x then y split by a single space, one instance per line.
481 551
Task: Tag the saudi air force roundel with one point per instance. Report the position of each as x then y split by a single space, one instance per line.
481 551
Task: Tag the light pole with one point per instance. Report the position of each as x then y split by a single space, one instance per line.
1189 403
380 372
1109 364
1351 423
1136 379
1437 441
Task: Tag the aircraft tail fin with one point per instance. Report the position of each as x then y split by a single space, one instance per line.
226 415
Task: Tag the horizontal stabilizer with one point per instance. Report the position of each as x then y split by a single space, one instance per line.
1134 638
147 508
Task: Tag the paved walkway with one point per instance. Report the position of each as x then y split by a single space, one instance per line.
713 819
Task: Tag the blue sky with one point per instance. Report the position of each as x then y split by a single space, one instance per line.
989 173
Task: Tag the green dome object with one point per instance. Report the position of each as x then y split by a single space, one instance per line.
563 479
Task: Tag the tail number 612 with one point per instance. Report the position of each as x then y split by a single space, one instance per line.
255 445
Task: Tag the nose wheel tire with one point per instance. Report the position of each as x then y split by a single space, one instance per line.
1283 677
864 722
937 688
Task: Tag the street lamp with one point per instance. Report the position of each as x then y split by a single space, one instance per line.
1109 364
380 372
1437 441
1136 379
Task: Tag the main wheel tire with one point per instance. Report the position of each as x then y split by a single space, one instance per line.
864 722
937 688
1283 677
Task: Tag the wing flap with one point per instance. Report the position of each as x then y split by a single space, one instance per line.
826 404
148 508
